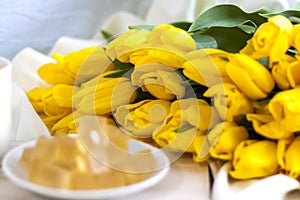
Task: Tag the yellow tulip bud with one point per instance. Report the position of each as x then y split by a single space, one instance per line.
252 78
65 125
295 38
227 136
161 81
282 146
206 66
81 65
291 159
56 73
189 140
122 46
195 112
293 74
103 95
168 37
281 72
156 56
254 159
143 118
187 120
266 125
229 101
271 39
58 100
285 108
88 63
35 97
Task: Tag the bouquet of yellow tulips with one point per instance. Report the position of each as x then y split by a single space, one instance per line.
226 87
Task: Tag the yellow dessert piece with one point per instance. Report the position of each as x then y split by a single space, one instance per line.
62 162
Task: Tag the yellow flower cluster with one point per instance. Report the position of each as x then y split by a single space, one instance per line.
159 97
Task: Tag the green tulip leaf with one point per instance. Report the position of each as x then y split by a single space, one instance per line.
247 28
183 25
204 41
227 16
287 13
122 66
120 73
228 39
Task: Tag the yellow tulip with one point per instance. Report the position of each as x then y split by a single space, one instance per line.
168 37
230 103
281 72
56 73
254 159
295 38
293 74
80 65
282 146
121 47
88 63
186 126
144 118
66 125
54 103
103 95
266 125
161 81
194 112
252 78
206 66
190 140
226 136
58 100
271 39
35 97
285 108
291 159
142 56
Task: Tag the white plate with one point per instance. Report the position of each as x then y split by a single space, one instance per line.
17 174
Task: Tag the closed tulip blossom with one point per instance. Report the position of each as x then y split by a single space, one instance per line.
35 97
293 74
67 124
206 66
103 95
121 47
295 38
166 36
282 120
224 138
161 81
54 103
254 159
271 39
251 77
154 55
267 126
76 67
186 126
291 159
283 72
285 108
229 101
144 118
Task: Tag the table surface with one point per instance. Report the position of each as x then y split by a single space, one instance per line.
186 180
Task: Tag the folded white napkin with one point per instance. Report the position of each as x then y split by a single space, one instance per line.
26 124
274 187
5 114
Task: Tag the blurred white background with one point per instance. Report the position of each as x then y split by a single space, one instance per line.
38 24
